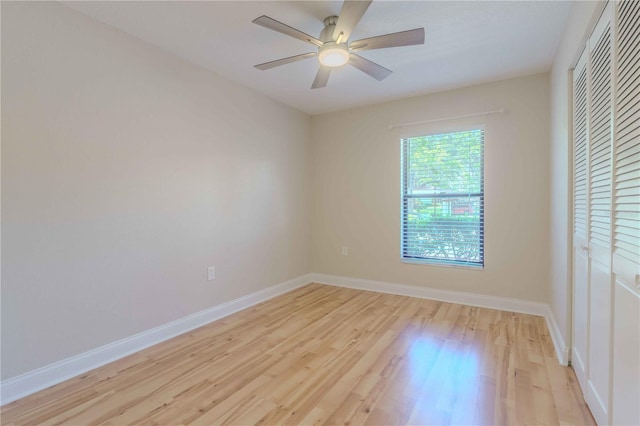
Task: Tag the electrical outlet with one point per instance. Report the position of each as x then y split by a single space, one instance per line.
345 251
211 273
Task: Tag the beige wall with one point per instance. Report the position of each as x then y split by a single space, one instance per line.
356 190
580 20
125 173
112 209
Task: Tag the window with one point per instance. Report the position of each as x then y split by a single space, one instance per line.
443 198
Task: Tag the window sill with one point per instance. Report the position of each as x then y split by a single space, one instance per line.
446 265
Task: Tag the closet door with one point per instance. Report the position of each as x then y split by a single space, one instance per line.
626 232
580 352
600 184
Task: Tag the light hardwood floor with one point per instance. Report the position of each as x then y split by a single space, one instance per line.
323 354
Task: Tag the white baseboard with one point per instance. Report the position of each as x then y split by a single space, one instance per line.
562 350
472 299
52 374
483 301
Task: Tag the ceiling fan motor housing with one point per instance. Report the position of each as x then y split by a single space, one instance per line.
326 34
332 54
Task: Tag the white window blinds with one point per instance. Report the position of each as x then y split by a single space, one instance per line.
443 198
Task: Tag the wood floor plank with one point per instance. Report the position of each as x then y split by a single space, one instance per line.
329 355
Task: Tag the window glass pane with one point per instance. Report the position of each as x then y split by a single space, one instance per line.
445 163
443 200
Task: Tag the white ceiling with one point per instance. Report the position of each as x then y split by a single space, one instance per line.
467 43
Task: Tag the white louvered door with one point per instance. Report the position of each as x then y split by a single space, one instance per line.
625 393
606 216
580 353
600 136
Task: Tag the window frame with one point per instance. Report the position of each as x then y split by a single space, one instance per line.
431 131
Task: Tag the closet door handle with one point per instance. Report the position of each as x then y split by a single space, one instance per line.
584 248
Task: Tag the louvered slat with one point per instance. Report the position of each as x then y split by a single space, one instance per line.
627 144
580 151
600 109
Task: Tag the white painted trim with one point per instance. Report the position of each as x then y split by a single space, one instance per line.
463 298
596 406
562 350
581 373
52 374
473 299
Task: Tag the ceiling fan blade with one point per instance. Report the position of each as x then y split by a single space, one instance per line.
366 66
284 61
350 15
403 38
322 77
278 26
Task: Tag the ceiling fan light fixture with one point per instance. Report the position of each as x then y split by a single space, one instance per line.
334 48
333 55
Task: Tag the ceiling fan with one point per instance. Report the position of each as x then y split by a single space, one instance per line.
334 48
